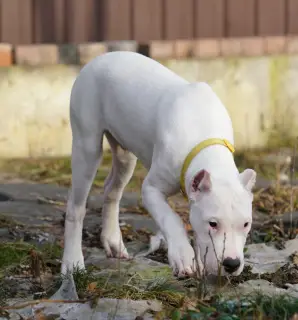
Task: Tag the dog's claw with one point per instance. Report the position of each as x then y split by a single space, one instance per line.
121 257
181 258
114 249
118 256
188 272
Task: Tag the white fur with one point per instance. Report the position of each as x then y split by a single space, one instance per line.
150 113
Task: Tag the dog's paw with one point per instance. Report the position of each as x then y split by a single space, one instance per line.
182 259
157 241
113 245
71 261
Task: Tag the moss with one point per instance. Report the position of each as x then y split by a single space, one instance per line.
279 135
13 254
233 62
155 272
254 306
165 62
278 65
6 222
94 285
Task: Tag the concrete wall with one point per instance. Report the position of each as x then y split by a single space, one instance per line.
260 93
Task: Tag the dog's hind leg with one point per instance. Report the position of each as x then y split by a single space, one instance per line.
123 166
86 156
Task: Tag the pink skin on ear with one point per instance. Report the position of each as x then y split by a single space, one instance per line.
200 183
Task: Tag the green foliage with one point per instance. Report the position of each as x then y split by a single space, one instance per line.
255 306
13 254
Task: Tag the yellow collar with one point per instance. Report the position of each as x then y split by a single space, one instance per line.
204 144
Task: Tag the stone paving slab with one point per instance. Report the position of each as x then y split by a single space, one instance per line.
33 192
29 207
30 213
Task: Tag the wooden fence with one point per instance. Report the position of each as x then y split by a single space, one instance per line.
77 21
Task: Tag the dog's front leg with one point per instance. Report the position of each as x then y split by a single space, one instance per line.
180 252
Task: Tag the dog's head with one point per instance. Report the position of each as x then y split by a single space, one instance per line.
221 217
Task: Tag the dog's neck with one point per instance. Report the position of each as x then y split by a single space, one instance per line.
217 160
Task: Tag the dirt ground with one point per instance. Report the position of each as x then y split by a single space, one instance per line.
31 224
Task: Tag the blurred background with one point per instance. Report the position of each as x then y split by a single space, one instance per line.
247 50
77 21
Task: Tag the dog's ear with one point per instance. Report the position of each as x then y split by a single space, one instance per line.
200 183
248 178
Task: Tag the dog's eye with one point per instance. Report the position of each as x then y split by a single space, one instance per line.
245 224
213 224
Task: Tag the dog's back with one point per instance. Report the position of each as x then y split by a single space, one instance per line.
123 90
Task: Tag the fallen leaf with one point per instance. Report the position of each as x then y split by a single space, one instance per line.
36 263
188 227
40 316
294 257
91 286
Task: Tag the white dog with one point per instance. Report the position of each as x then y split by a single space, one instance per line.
183 135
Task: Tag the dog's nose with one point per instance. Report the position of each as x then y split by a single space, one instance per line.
231 265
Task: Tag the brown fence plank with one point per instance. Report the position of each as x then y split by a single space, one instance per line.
116 20
25 21
44 21
79 20
292 17
59 21
179 19
209 18
0 20
16 21
98 20
271 17
10 21
49 21
240 19
147 20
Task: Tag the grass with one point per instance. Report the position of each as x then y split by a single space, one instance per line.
176 302
15 254
6 222
12 254
58 171
163 289
276 200
24 260
265 168
20 258
174 295
254 306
